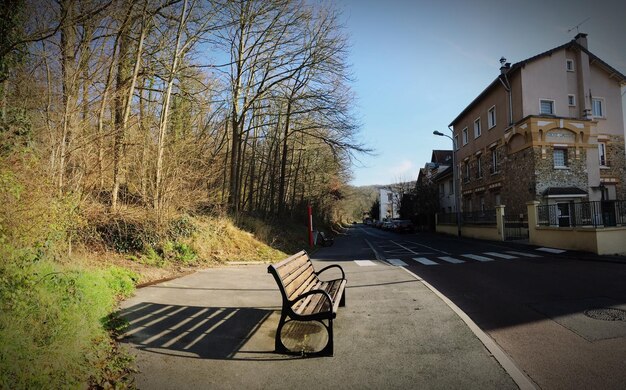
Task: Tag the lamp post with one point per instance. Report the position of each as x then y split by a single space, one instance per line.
454 182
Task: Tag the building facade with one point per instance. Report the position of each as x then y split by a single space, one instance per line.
389 204
549 128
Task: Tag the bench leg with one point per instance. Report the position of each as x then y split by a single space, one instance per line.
329 348
342 301
279 347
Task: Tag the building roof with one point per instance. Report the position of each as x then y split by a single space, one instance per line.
564 191
442 157
443 174
573 44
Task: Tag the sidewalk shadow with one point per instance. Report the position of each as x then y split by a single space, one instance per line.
195 331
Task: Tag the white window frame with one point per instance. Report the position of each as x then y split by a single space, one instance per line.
494 161
466 173
465 136
491 117
477 128
564 151
551 101
571 100
567 65
602 107
456 142
602 154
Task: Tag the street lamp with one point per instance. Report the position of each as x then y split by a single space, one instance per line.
454 182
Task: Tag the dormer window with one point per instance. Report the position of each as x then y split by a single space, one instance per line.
569 65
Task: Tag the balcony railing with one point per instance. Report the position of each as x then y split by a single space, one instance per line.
584 214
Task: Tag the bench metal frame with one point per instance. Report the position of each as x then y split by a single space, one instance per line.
288 314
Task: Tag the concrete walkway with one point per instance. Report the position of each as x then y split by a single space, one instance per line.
215 329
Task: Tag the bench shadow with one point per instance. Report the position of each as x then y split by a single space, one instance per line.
199 332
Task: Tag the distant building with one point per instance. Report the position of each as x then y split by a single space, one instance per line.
549 128
438 172
389 204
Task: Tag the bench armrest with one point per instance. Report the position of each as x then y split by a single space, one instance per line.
343 274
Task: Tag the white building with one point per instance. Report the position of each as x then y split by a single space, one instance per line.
389 204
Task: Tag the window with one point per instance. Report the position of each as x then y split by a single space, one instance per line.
477 128
491 117
569 65
479 167
481 200
597 105
456 142
494 161
466 175
465 138
546 107
602 153
571 100
389 197
560 157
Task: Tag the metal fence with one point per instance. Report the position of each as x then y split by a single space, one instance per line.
585 214
484 217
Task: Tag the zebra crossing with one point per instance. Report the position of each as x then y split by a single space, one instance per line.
406 253
462 258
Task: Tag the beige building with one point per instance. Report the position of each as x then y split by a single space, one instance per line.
549 128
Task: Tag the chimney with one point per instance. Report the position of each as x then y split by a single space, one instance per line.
504 66
581 39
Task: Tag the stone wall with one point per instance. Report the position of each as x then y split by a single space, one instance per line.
575 175
616 156
518 180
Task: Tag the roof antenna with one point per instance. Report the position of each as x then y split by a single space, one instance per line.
578 25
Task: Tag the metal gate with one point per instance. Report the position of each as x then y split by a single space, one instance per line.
516 227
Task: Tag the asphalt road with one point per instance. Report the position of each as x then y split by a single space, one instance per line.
561 318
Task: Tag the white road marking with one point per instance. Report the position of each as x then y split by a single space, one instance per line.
501 255
526 254
425 261
365 263
551 250
425 246
477 257
397 262
451 260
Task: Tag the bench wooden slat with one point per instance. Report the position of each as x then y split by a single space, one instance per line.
307 285
286 267
300 307
299 276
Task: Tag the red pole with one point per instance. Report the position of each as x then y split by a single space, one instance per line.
310 213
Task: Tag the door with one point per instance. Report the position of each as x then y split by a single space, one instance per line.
563 214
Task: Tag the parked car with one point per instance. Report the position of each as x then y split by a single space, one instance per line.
403 226
388 225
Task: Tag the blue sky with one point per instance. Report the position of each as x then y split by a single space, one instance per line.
417 64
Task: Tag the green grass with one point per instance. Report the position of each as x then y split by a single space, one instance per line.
52 332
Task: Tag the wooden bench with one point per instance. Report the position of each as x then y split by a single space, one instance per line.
324 240
306 297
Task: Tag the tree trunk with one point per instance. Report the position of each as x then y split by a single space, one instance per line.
68 69
158 191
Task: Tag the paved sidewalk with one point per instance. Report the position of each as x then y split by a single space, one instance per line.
215 329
